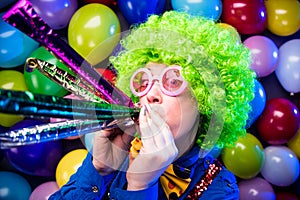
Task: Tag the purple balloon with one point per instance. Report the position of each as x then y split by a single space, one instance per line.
37 159
44 191
256 188
264 54
56 13
281 167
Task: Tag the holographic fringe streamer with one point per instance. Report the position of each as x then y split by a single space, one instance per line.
45 106
55 131
23 16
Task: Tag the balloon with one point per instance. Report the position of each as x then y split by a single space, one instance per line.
294 143
264 54
257 104
15 46
288 71
283 16
109 3
37 82
37 159
68 165
50 10
11 80
88 141
5 3
281 195
90 26
279 121
44 191
246 158
232 30
137 11
210 9
248 17
256 188
281 167
13 186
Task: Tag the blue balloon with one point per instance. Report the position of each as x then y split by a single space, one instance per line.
137 11
211 9
14 186
257 104
88 141
39 159
15 46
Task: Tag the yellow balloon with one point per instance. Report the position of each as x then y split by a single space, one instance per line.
94 31
68 165
283 16
294 144
11 80
233 31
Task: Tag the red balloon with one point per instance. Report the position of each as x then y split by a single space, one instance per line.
248 17
279 121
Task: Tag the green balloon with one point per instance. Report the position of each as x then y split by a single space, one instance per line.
37 82
246 158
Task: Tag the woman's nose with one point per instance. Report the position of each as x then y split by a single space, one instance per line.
155 94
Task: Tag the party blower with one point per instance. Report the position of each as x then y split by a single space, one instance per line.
105 106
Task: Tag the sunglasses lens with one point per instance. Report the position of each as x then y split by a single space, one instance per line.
140 82
172 81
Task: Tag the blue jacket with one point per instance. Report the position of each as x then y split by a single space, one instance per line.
87 184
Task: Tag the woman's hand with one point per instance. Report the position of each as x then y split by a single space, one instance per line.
158 150
110 148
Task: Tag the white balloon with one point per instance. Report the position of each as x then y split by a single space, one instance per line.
288 67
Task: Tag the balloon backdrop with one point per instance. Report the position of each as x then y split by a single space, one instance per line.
279 121
15 46
283 16
91 26
264 54
50 10
211 9
257 104
246 158
13 186
137 11
37 82
249 17
94 42
256 188
44 191
11 80
281 167
288 70
68 165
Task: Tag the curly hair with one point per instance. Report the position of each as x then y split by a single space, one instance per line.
214 62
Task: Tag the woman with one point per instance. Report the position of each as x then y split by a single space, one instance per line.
191 78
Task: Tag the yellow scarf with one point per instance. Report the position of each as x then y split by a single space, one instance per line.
174 180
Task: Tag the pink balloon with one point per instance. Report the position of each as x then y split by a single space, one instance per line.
44 191
264 54
256 188
281 167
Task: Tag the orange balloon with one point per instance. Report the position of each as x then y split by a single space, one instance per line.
283 16
68 165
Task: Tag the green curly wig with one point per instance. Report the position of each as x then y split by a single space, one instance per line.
213 60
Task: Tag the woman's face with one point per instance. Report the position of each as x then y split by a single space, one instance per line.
179 112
